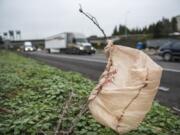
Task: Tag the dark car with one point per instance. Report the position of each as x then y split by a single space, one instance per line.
170 51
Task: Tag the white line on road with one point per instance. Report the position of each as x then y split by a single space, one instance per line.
96 60
176 109
171 70
162 88
103 61
75 58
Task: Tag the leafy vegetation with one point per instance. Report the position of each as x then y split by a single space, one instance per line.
32 95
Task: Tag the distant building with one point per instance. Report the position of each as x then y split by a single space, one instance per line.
178 22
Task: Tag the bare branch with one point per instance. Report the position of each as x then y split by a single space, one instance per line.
4 110
84 109
42 132
93 19
63 113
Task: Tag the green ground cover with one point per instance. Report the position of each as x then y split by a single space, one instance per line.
32 95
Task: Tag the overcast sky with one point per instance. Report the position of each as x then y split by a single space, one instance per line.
42 18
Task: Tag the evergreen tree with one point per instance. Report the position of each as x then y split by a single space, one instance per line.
123 29
115 32
174 24
120 31
157 30
160 29
167 28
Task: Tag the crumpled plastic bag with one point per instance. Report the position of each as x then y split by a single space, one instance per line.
126 88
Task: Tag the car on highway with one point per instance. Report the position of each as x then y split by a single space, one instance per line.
170 51
28 46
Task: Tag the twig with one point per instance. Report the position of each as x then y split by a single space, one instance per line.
75 120
42 132
63 113
83 110
93 19
4 110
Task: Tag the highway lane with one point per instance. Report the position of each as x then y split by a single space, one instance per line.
100 57
93 66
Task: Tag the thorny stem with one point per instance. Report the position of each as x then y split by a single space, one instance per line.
93 19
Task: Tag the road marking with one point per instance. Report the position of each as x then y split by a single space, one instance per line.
176 109
162 88
94 60
76 58
171 70
103 61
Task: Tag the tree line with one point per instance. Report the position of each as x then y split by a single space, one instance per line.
162 28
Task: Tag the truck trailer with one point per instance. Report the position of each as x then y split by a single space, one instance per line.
73 43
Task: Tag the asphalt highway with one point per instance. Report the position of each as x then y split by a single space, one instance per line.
92 67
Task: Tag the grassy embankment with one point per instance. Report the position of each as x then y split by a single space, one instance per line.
32 95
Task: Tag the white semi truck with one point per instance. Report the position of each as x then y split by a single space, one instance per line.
28 46
74 43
